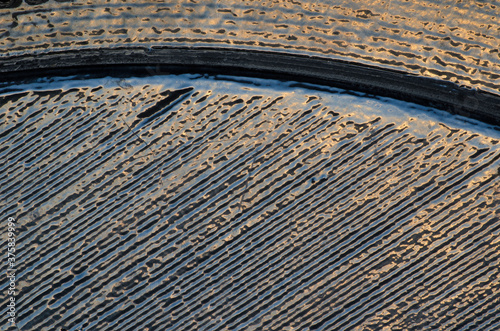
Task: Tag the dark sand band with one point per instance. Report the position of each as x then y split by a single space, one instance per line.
444 95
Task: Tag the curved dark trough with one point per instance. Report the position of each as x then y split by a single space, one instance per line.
436 93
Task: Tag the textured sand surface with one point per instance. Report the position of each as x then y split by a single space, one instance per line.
213 203
456 41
